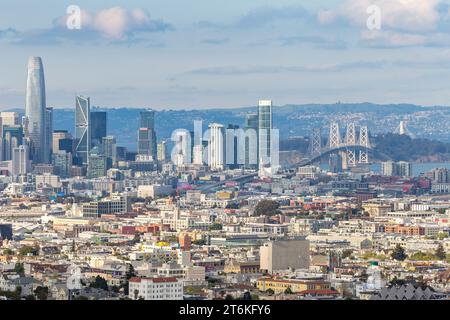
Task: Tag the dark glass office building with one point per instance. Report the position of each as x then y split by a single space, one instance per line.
6 231
147 134
98 127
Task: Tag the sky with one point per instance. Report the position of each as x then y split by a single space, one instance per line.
185 54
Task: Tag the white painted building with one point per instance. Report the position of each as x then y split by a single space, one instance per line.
216 147
156 288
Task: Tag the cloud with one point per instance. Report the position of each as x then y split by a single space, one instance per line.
115 25
8 33
317 41
389 39
405 15
404 23
261 17
233 70
217 41
265 15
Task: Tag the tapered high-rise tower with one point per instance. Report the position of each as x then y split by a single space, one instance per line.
83 127
35 111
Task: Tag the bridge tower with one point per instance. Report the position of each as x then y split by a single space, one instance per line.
335 136
350 140
402 129
316 142
364 142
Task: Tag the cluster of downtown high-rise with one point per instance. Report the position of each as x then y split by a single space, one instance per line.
255 146
31 145
30 139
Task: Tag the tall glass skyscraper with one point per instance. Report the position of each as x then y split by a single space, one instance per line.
83 128
35 111
264 131
147 134
48 134
98 123
251 125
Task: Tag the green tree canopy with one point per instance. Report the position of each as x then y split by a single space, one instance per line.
25 250
347 253
398 253
18 268
288 290
270 292
267 208
41 293
440 252
99 283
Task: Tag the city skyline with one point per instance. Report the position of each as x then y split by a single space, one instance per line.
221 161
148 54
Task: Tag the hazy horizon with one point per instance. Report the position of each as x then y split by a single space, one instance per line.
22 109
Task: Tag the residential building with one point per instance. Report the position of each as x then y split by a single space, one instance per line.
168 288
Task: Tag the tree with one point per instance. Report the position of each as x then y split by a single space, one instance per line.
115 289
270 292
200 242
18 293
247 296
347 253
229 297
137 238
267 208
420 256
288 291
18 268
442 235
126 287
440 252
41 293
8 252
25 250
216 226
99 283
232 206
23 207
130 272
398 253
80 298
396 282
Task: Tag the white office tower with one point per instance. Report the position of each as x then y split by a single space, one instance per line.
35 112
216 147
265 152
20 161
198 155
